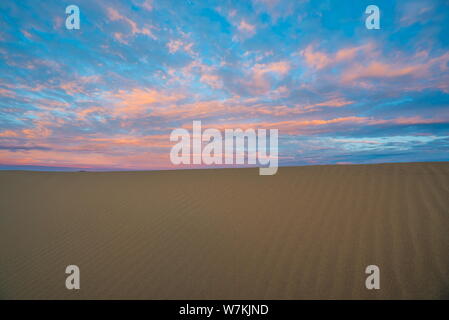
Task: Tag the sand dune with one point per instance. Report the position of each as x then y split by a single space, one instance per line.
305 233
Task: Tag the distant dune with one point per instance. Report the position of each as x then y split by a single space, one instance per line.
305 233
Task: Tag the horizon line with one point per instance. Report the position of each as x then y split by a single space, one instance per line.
81 169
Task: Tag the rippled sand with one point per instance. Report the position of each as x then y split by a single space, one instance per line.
305 233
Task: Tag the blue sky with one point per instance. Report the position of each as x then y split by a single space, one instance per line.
108 95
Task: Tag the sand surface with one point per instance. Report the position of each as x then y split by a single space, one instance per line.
305 233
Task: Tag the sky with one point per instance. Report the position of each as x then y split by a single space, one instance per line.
107 96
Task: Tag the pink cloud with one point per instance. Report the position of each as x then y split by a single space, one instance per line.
37 132
144 160
315 59
148 5
120 37
213 80
79 85
83 113
336 102
114 15
139 101
8 134
259 82
319 60
378 69
207 74
246 28
176 45
299 127
6 93
290 127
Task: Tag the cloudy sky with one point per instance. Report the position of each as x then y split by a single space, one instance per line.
108 95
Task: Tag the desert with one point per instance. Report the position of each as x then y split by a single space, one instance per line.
305 233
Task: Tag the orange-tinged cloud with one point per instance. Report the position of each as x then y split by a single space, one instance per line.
83 113
280 67
8 134
212 80
284 127
380 70
336 102
298 127
37 132
319 60
144 160
139 101
6 93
